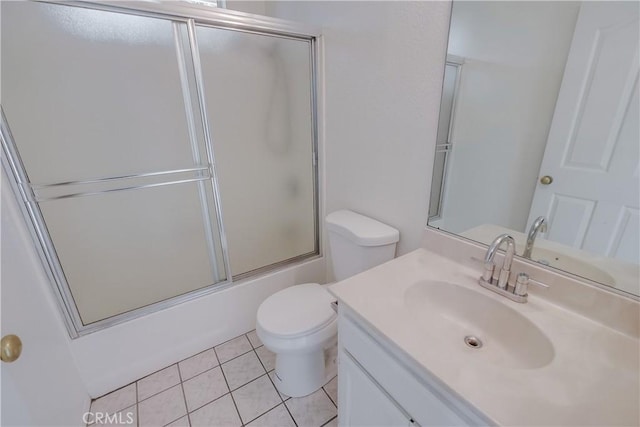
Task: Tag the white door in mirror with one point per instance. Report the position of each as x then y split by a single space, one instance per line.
592 151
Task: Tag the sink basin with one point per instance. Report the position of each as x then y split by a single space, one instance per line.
448 313
574 265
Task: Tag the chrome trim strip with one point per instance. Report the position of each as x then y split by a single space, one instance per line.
195 57
13 166
252 274
192 295
115 190
152 308
202 14
296 37
314 142
115 178
193 138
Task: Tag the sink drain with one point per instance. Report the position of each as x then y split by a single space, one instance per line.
473 342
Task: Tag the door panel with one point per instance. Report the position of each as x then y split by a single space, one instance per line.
592 151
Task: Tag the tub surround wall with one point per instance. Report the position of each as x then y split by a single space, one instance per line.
116 356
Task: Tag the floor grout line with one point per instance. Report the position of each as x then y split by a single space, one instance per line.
161 391
327 393
331 419
184 397
137 407
277 391
289 412
268 410
227 383
208 403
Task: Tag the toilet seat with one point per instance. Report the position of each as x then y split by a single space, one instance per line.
296 311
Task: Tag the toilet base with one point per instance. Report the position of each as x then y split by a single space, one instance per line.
298 375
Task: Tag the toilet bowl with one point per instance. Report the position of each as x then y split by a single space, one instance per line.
298 323
299 326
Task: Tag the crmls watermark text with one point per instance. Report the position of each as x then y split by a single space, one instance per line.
104 418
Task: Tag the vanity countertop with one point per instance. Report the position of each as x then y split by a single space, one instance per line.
590 378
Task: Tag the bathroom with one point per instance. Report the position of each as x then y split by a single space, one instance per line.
378 85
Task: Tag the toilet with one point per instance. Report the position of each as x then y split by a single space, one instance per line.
298 323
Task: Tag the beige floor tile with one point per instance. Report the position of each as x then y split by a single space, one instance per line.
272 376
332 389
256 398
332 423
115 401
267 357
219 413
254 339
157 382
204 388
163 408
313 410
242 369
197 364
182 422
126 417
233 348
277 417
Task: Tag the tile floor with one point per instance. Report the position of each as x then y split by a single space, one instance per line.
228 385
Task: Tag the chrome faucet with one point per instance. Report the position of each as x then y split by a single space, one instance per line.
518 292
539 225
489 265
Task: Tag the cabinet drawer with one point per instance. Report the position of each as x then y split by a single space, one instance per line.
364 403
426 405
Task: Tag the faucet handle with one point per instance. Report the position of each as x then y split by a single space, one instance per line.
522 284
487 270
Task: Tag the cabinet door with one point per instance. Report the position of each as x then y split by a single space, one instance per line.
361 400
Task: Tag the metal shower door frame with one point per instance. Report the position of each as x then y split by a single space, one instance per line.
189 15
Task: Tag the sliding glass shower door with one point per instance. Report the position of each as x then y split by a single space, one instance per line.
111 122
258 95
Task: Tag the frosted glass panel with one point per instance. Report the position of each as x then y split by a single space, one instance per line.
124 250
258 97
90 93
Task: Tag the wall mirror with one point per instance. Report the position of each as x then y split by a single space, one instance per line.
539 118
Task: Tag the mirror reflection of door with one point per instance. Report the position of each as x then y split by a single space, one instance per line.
592 150
548 88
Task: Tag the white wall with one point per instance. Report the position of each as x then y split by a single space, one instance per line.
384 63
515 54
43 387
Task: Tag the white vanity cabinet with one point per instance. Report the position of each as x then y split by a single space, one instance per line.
377 388
363 402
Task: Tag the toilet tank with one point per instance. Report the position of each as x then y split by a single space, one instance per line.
358 243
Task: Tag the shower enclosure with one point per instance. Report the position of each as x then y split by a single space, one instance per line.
161 151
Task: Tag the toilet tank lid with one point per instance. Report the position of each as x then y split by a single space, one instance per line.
360 229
